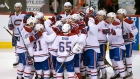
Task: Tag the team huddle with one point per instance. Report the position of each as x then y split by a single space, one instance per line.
74 42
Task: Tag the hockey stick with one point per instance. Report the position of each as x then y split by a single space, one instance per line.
9 32
28 55
106 61
7 6
63 62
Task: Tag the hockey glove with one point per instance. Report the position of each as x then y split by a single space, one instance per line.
107 31
14 40
11 26
32 38
38 34
78 48
58 17
128 35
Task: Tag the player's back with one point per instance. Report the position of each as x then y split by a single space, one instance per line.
65 44
41 52
23 37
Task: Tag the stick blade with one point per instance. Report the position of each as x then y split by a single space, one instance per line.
7 6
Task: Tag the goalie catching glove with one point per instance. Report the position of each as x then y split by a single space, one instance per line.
78 48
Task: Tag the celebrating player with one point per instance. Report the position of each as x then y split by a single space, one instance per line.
68 12
25 49
129 32
102 38
41 52
116 44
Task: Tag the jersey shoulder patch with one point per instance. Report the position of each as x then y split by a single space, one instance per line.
106 22
62 12
115 23
128 21
23 12
28 29
72 12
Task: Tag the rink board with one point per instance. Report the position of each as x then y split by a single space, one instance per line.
5 38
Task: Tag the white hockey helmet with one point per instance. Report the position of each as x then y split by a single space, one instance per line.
66 28
91 20
31 20
39 15
38 27
89 9
112 15
18 4
101 12
122 11
76 17
67 4
58 23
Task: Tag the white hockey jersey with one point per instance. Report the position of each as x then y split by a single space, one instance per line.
25 33
64 44
92 38
16 21
63 14
102 38
40 46
49 31
129 27
116 38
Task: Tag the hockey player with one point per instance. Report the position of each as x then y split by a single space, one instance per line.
102 38
64 43
25 49
91 49
129 33
14 23
68 12
40 17
49 26
116 45
41 54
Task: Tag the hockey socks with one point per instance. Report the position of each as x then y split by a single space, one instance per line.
121 68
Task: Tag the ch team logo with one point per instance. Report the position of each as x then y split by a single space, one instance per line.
17 22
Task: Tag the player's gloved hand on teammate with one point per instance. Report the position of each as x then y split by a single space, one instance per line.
31 61
11 26
32 38
84 30
108 31
58 17
128 35
38 34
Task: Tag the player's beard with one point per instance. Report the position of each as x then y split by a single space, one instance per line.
68 11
